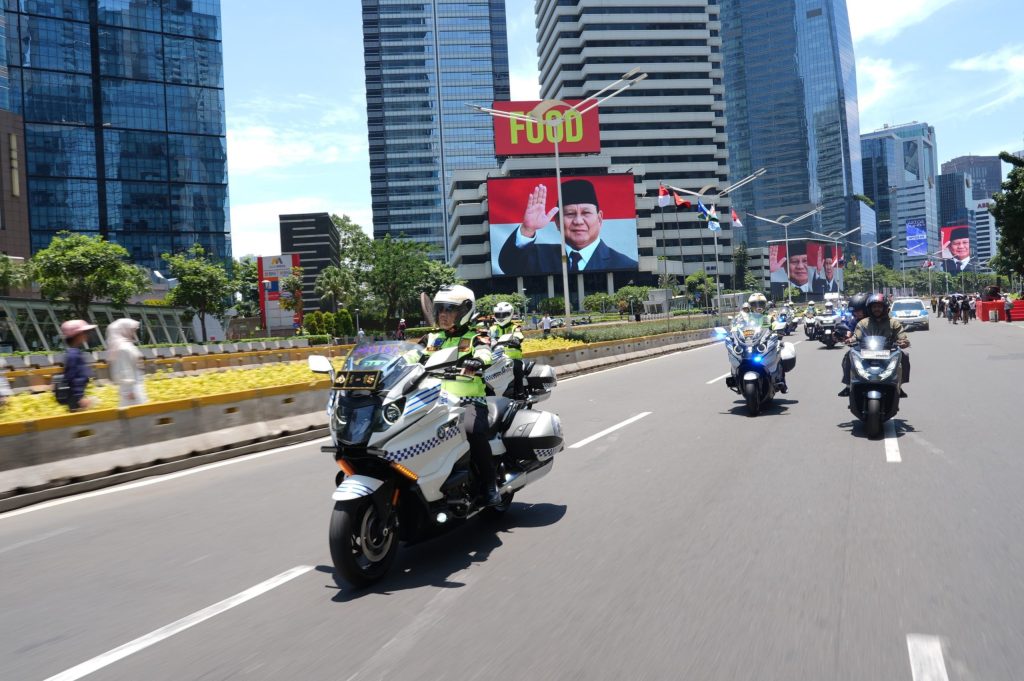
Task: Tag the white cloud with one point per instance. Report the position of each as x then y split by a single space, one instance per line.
878 81
1007 61
883 20
255 227
523 84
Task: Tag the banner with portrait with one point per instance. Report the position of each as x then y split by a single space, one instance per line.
956 248
813 267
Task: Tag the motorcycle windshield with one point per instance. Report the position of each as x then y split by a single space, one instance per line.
874 343
394 359
748 331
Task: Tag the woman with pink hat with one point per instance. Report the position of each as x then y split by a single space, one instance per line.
76 371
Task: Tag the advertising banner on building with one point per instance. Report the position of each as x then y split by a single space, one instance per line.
271 269
814 267
917 238
578 134
599 222
956 248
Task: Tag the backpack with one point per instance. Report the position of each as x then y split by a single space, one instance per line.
61 389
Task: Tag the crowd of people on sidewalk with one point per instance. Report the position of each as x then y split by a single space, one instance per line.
957 307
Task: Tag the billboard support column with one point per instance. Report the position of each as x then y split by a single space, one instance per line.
561 216
580 292
551 286
611 283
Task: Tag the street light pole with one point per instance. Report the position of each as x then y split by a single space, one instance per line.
872 244
785 228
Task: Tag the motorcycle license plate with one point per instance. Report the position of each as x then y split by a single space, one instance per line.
747 333
875 354
357 380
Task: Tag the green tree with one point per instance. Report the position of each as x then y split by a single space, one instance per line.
356 258
314 323
291 293
343 325
485 304
398 269
1008 210
203 285
79 269
13 274
246 287
330 323
599 302
740 262
332 284
552 305
751 282
792 293
438 274
633 294
700 283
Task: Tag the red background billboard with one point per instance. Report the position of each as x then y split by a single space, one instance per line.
579 134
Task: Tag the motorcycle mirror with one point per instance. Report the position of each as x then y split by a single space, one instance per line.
427 307
319 364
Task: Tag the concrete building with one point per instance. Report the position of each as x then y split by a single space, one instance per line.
424 62
984 233
669 128
791 96
986 173
899 168
14 226
314 238
124 125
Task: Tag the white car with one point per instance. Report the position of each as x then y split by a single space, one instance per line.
912 313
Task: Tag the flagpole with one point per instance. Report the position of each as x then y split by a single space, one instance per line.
679 234
718 294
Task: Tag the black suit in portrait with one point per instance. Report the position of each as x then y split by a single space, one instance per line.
823 286
952 266
547 258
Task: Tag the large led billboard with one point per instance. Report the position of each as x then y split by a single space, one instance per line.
917 238
578 134
599 223
814 267
956 248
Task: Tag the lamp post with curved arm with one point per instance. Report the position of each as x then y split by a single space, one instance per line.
873 244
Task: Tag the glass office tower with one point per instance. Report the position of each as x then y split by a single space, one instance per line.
791 107
125 134
424 62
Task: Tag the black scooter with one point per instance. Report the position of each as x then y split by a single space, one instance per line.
875 374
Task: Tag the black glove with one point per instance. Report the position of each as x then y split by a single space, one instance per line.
515 343
472 364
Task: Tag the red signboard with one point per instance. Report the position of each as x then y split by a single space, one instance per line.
578 133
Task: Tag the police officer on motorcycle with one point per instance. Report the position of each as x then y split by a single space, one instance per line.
877 322
454 308
504 326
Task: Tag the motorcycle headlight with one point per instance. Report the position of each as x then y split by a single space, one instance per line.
890 368
737 349
393 412
858 365
761 348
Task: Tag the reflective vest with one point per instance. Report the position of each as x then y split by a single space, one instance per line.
470 344
497 331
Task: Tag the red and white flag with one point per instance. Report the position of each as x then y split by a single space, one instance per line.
663 197
736 219
928 264
681 202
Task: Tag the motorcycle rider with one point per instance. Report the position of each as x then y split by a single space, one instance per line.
879 323
758 306
849 323
504 326
454 307
743 316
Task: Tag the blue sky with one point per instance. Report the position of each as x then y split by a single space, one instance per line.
297 118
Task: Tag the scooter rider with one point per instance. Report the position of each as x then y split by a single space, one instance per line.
879 323
454 307
504 326
857 309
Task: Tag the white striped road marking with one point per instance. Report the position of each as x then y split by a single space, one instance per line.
121 652
714 380
33 540
633 364
892 444
606 431
926 663
158 479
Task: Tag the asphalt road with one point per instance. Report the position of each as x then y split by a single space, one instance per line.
692 543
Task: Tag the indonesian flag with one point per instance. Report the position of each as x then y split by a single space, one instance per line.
736 219
681 202
928 264
663 197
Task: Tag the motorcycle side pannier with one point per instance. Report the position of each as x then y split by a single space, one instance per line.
534 435
788 356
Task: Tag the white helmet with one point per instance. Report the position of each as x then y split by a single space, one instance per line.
746 307
829 305
457 298
503 312
757 302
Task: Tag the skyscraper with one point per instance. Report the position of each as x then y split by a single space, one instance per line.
673 123
986 173
123 107
424 62
899 169
791 105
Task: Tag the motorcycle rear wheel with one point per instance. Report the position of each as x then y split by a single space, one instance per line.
752 398
362 547
873 419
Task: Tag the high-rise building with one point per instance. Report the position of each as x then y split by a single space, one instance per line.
424 62
899 170
791 105
672 124
986 173
315 239
984 233
123 108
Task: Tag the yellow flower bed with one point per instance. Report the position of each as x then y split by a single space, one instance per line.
549 344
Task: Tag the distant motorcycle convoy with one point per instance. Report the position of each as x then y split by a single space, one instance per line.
429 433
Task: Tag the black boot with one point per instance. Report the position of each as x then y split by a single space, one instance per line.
845 392
903 395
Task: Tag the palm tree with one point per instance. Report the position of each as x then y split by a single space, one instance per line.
331 284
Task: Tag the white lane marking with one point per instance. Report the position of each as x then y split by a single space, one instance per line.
633 364
121 652
714 380
33 540
606 431
926 663
157 479
892 445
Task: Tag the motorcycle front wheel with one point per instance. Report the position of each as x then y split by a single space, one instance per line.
752 398
363 546
873 419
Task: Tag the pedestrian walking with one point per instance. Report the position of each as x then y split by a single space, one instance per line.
1008 307
401 330
974 307
5 388
124 361
361 335
546 324
77 373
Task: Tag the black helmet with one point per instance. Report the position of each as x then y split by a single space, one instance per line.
877 298
859 302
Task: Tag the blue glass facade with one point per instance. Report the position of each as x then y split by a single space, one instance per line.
125 134
424 62
791 107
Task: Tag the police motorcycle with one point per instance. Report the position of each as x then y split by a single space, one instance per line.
876 372
811 325
405 468
759 360
827 325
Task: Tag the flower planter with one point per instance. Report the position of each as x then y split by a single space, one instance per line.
299 342
39 360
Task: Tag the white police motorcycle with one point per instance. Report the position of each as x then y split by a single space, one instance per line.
404 459
759 361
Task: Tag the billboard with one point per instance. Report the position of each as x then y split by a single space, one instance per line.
579 134
956 248
599 223
814 267
917 238
271 269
